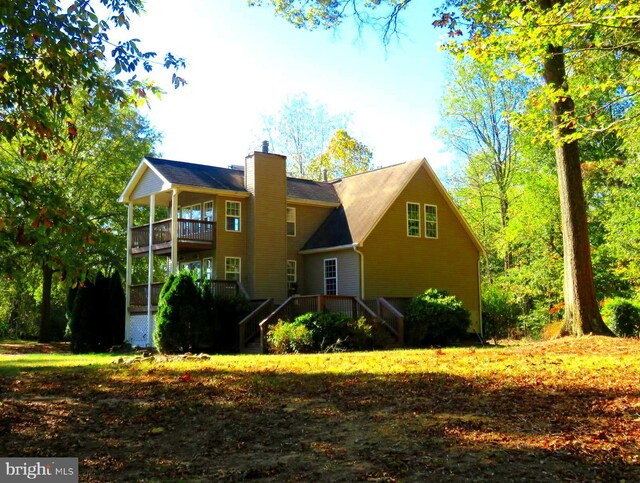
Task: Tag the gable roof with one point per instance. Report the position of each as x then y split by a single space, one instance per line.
182 173
366 197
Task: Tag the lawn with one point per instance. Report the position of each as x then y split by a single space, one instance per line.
566 410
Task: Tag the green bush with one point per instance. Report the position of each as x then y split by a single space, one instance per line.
360 334
83 316
178 309
499 313
435 317
287 337
622 316
95 312
222 314
190 318
328 331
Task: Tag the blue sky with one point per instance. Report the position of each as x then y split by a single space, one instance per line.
242 63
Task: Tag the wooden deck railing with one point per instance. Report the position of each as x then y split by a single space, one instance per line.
226 288
138 294
188 230
249 327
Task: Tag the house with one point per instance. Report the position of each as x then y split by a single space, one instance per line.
392 232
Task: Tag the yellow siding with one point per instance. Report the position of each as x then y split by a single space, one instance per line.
308 220
230 243
396 265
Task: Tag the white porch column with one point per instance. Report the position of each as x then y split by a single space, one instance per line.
152 213
174 231
127 277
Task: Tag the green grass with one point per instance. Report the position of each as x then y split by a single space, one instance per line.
14 364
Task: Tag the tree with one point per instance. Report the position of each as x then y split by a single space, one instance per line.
301 130
479 112
48 52
597 40
538 33
61 214
56 65
344 156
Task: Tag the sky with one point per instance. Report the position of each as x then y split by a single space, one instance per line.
244 62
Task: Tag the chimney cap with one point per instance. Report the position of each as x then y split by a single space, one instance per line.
324 174
265 146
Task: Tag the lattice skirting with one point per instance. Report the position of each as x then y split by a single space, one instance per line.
140 332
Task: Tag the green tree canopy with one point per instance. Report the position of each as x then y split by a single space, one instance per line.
344 156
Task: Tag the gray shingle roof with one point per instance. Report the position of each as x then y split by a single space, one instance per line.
200 175
214 177
333 232
307 189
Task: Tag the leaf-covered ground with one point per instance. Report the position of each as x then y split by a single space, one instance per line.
564 410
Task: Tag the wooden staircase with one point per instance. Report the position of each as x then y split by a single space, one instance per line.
259 321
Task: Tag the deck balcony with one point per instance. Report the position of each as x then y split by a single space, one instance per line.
139 301
192 235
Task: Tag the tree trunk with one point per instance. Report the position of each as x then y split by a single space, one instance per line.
582 315
46 332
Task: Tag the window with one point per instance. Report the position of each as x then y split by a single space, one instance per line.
208 268
192 212
291 274
194 266
209 214
413 219
233 216
331 276
291 221
232 268
431 221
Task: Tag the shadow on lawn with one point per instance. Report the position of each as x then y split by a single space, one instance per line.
217 425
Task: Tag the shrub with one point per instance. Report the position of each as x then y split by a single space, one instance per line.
286 337
328 331
622 316
177 311
221 316
360 334
435 317
499 313
83 315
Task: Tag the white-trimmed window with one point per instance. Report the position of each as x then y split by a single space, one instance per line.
208 211
233 213
208 268
331 276
194 266
291 221
191 212
413 219
430 221
292 276
232 266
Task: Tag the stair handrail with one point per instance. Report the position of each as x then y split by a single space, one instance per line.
249 327
273 318
398 322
